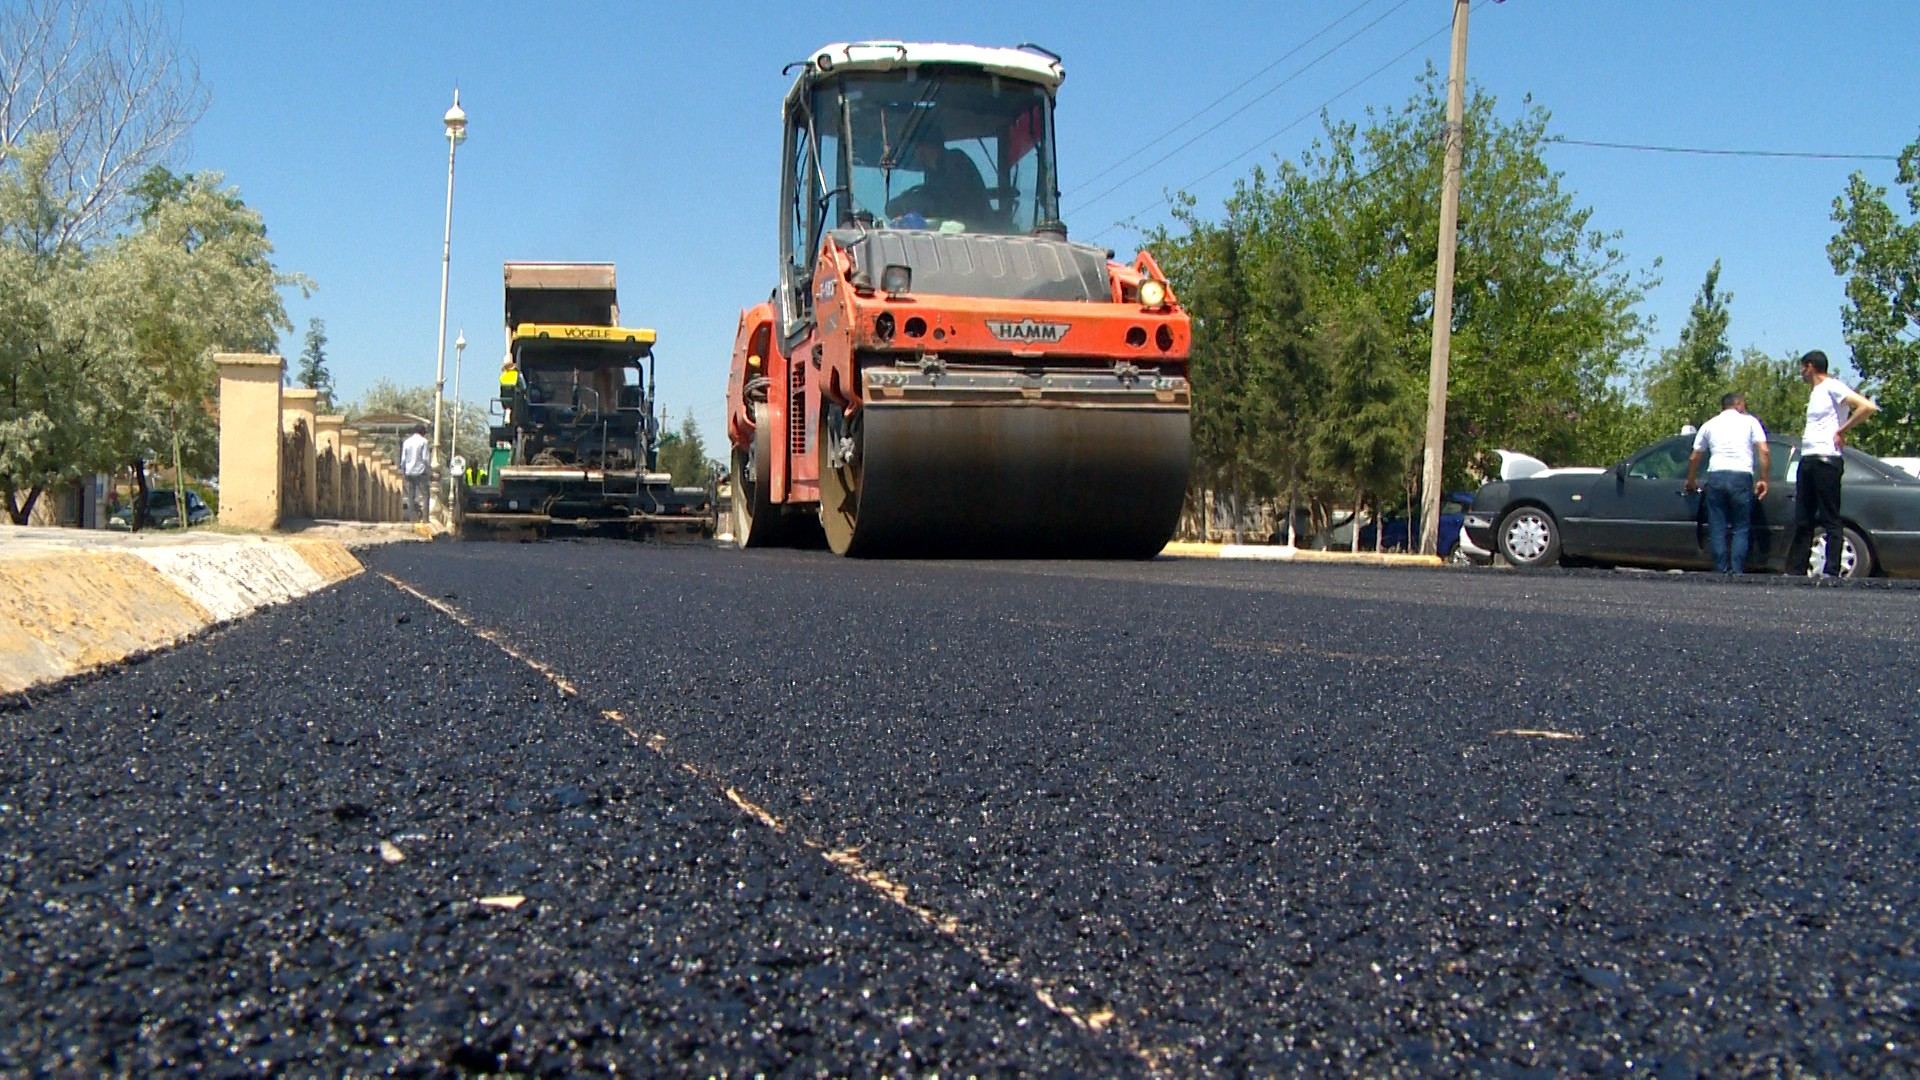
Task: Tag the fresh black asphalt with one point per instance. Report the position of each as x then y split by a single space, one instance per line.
814 816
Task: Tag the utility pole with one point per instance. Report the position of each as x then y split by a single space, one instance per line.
1432 473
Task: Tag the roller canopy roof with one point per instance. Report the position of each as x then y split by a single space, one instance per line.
1019 63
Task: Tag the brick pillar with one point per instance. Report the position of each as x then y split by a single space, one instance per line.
377 484
297 408
250 439
363 473
326 451
350 474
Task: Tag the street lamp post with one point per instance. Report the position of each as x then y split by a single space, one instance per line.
453 436
456 122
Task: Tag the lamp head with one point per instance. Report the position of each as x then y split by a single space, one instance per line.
456 120
460 343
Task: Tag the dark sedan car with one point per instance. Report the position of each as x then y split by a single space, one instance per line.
162 512
1635 514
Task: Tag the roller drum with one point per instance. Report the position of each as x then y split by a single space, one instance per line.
1001 465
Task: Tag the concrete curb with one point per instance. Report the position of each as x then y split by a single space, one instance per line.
1181 549
72 602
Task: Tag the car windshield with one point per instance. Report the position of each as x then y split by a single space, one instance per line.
936 147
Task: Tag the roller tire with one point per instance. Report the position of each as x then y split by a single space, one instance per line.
758 522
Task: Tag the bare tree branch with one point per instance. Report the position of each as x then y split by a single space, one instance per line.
108 82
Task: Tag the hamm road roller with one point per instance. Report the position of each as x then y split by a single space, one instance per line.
940 370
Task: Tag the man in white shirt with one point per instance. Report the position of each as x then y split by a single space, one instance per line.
1832 408
1730 443
413 473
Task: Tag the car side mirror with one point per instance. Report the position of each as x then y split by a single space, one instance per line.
1620 471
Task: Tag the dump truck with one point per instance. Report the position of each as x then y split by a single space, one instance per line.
939 368
575 443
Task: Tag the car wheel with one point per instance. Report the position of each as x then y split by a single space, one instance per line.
1856 560
1529 538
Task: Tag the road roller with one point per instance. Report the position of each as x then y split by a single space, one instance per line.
939 369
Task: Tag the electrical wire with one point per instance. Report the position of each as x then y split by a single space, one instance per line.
1256 99
1296 122
1105 170
1646 148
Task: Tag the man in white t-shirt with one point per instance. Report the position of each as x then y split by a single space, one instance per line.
1730 443
1832 408
413 473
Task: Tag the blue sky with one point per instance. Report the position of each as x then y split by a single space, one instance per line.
648 135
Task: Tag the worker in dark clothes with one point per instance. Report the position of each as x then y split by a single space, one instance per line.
950 188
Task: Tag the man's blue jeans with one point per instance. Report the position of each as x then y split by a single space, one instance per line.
1729 518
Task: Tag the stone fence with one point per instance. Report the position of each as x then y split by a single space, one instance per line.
279 461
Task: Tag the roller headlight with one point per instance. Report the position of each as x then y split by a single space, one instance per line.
1152 294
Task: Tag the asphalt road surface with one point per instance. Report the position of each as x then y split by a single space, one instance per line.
571 807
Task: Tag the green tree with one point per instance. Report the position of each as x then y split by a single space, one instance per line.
684 455
55 385
1366 445
1684 386
1775 394
313 373
389 399
195 279
116 278
1878 254
1543 320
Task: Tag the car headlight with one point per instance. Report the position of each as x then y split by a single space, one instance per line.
1153 294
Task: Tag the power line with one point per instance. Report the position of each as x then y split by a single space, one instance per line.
1296 122
1256 99
1645 148
1202 111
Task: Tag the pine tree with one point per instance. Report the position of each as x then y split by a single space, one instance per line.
313 364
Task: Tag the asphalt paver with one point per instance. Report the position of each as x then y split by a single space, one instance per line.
350 836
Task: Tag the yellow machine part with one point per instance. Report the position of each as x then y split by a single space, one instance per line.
616 335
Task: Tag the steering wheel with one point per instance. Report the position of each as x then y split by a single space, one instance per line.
911 201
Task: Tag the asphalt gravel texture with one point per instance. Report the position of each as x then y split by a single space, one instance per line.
776 812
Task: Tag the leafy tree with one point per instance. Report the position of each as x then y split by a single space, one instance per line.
1366 446
387 398
313 373
1775 394
1879 256
1684 386
684 455
116 278
1329 262
57 388
197 278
